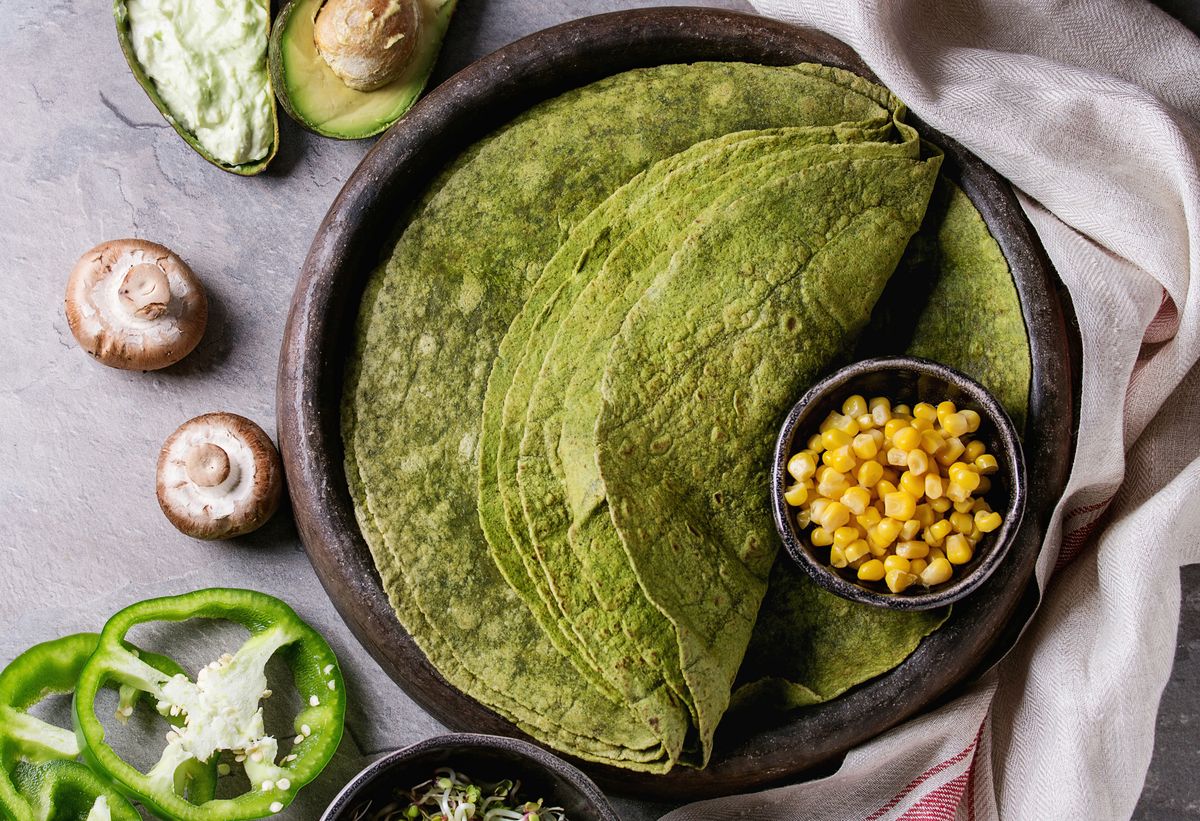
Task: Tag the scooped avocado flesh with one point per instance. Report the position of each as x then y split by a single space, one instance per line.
317 99
208 63
723 228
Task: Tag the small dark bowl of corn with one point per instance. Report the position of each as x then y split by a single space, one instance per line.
898 482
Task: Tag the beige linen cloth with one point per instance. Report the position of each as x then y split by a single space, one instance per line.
1091 108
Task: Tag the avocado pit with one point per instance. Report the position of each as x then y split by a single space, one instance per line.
367 43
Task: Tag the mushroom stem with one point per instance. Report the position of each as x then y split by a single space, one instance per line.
145 291
207 465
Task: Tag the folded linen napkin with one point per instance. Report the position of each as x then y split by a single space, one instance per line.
1092 110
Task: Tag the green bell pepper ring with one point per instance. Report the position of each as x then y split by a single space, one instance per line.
221 709
40 780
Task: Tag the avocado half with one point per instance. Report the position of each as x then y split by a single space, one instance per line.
313 95
121 15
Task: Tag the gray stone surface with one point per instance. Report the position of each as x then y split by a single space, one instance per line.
85 157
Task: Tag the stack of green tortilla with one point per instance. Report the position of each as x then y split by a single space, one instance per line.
570 373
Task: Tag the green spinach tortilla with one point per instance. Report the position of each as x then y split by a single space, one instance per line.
477 439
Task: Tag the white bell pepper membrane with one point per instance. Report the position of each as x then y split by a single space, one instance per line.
100 810
222 499
221 710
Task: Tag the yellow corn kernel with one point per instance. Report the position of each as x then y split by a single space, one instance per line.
883 487
892 426
837 557
949 455
856 550
898 581
802 465
973 420
820 537
955 424
884 533
921 426
900 506
858 499
872 571
918 462
796 495
958 549
917 566
817 508
804 518
840 459
987 522
844 535
962 473
940 505
878 504
974 537
897 457
925 515
924 410
829 422
879 403
835 438
910 529
986 463
980 504
906 438
890 474
984 486
869 518
834 516
912 484
944 409
941 529
864 446
876 551
833 484
958 494
866 422
974 450
869 473
962 522
932 442
895 563
860 561
938 571
912 549
814 443
902 410
847 425
935 553
935 486
855 406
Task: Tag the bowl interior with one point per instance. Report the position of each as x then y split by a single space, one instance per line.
483 759
904 380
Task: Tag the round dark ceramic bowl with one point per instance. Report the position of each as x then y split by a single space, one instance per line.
904 380
752 752
483 759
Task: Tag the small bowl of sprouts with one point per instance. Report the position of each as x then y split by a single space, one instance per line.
466 777
898 482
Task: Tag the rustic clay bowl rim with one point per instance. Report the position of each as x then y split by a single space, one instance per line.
755 751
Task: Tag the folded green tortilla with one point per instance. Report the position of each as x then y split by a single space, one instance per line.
580 298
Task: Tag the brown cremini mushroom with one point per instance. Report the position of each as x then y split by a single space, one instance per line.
219 476
135 305
367 43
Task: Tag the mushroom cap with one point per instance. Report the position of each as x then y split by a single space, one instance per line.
135 305
210 495
367 43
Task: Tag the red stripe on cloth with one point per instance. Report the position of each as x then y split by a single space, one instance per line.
940 804
1074 542
925 776
1079 511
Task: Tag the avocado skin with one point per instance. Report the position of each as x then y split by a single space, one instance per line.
291 49
121 16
